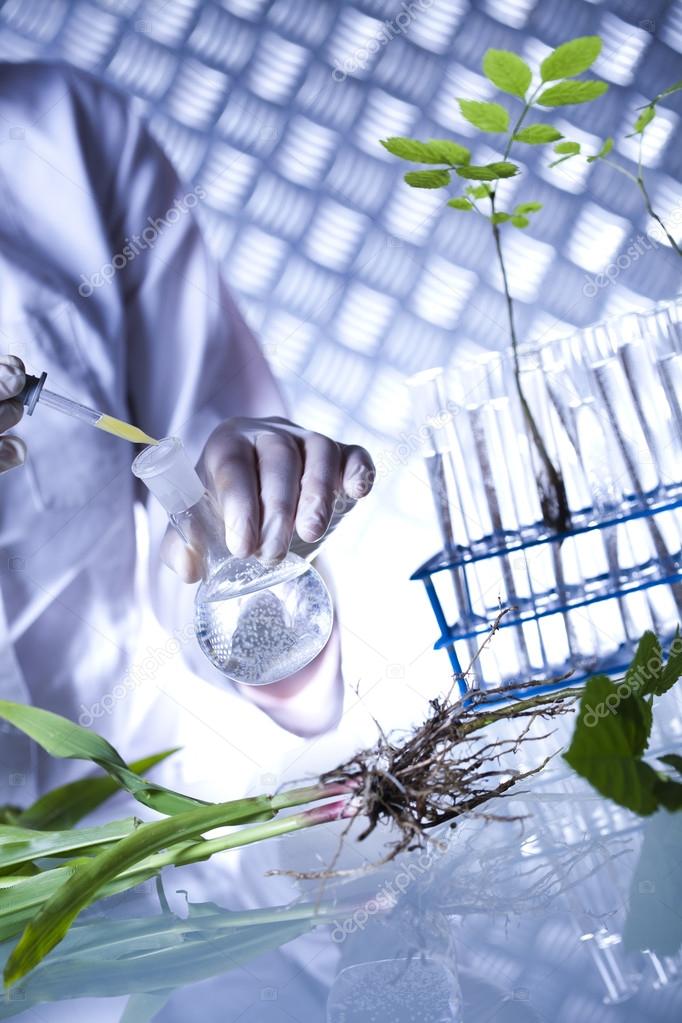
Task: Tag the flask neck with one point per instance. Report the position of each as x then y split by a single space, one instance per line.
201 527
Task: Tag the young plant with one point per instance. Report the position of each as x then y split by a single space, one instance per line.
451 163
614 727
570 149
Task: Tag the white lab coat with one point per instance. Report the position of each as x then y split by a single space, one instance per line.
161 344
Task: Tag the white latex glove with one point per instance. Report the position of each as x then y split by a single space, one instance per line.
270 477
12 380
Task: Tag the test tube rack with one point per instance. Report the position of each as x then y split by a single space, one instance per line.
462 638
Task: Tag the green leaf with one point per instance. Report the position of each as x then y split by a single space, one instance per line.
645 118
672 672
499 217
528 207
570 58
672 760
536 134
486 116
47 928
65 806
666 92
460 204
566 93
433 151
669 794
22 845
606 148
62 738
567 147
520 221
478 191
507 71
489 171
611 731
644 673
428 179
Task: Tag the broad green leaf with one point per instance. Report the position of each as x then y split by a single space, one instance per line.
486 116
672 672
500 217
536 134
644 673
460 204
611 731
570 58
528 207
604 151
519 221
507 71
567 147
65 806
489 171
62 738
566 93
672 760
47 928
478 191
428 179
669 794
433 151
645 118
21 845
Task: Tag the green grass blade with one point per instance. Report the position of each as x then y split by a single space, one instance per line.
20 845
65 806
52 922
62 738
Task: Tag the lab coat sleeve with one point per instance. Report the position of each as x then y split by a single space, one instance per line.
191 361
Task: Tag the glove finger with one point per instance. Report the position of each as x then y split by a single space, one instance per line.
12 453
12 376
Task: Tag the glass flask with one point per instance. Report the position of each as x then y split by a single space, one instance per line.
255 623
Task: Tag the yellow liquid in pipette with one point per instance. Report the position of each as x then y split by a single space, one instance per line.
124 430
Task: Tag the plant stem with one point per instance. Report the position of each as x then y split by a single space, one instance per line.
553 497
652 213
638 179
194 852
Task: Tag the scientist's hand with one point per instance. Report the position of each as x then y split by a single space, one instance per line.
270 477
12 380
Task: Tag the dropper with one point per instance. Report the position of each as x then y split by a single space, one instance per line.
35 391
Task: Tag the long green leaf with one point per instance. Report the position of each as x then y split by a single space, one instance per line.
62 738
50 925
20 845
65 806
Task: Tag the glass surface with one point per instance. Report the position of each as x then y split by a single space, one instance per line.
565 908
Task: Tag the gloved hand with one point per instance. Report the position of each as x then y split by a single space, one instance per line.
270 477
12 380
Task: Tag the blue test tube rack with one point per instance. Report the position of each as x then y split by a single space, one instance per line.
471 628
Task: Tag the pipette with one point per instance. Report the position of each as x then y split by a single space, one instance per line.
35 391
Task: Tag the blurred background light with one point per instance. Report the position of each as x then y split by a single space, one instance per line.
352 279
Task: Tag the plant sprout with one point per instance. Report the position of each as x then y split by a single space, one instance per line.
569 149
557 87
